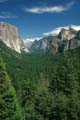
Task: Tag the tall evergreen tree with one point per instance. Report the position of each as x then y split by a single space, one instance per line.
64 86
9 106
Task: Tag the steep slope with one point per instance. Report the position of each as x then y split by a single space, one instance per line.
78 35
43 45
67 34
67 39
27 46
75 42
9 35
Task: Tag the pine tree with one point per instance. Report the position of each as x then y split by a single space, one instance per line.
65 87
9 107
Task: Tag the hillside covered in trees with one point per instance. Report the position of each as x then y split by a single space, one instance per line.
39 86
9 106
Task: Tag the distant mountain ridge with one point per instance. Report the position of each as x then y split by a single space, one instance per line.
66 39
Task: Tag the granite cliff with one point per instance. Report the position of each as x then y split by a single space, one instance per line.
10 36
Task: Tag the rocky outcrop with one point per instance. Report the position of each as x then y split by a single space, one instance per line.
66 34
43 45
27 46
78 35
75 42
9 35
54 45
67 39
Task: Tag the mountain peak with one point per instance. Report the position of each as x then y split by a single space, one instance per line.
67 34
10 36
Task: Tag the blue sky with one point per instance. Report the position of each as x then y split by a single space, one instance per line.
34 18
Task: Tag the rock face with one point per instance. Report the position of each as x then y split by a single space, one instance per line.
67 39
78 35
41 46
9 35
27 45
75 42
67 34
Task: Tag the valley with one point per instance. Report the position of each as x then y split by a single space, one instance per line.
47 86
39 60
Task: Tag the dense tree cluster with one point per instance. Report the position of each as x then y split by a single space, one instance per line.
9 106
47 86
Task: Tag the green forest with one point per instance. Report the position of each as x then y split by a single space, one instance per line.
39 86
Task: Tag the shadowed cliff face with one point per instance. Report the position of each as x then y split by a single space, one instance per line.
67 39
67 34
9 35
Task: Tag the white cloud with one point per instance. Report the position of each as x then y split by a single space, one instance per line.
56 31
38 10
52 9
7 15
75 27
53 32
32 39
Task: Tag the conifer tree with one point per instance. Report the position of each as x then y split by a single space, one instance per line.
9 106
